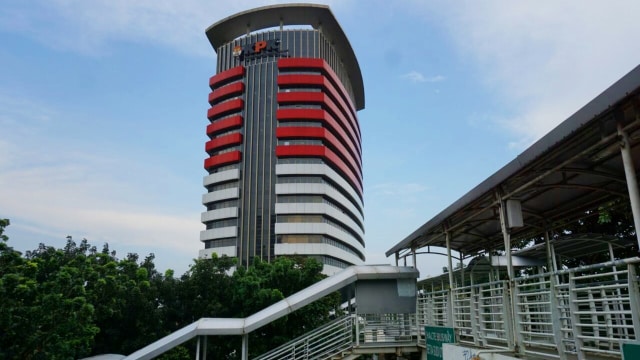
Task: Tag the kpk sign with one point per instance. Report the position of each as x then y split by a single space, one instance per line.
258 49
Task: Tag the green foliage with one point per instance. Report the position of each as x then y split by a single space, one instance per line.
77 301
44 310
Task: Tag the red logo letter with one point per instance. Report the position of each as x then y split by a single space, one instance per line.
259 46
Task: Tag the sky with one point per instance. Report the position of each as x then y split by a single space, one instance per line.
103 109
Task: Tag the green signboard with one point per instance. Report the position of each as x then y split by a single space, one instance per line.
630 351
435 336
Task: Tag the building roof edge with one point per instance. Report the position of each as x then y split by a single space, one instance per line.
316 15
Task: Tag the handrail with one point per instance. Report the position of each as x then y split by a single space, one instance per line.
324 342
237 326
583 311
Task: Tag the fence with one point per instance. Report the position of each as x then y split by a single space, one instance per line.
585 312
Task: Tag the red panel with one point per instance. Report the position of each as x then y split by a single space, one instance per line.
323 134
300 150
224 124
224 108
291 132
299 79
321 98
319 115
226 92
300 63
222 159
323 152
300 97
324 66
327 86
226 75
223 141
320 64
295 114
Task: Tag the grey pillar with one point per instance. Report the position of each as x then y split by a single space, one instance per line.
415 264
547 242
245 346
198 348
449 261
632 182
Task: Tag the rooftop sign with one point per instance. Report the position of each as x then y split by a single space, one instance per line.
260 48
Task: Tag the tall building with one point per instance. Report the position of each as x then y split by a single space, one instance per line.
285 157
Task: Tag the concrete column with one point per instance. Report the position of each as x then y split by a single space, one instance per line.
198 348
547 243
449 261
245 346
204 348
450 269
461 267
413 252
632 182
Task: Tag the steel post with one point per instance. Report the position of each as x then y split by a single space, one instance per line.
245 346
632 183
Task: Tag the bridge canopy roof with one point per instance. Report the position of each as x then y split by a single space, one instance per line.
574 169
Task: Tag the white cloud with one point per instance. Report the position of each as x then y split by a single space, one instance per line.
546 59
396 189
88 26
418 77
52 188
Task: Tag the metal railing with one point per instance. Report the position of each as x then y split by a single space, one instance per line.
541 312
493 314
585 312
325 342
433 309
377 329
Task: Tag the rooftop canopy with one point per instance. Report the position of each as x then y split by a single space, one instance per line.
575 168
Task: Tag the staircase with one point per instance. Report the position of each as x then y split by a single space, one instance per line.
331 341
334 341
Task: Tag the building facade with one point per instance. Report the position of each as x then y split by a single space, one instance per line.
284 152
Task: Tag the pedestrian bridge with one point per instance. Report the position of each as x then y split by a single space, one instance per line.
546 262
384 320
587 312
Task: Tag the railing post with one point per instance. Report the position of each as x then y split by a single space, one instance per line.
198 348
473 311
634 298
517 326
555 317
357 329
508 314
245 346
450 321
204 348
576 330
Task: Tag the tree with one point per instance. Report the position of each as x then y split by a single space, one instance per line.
44 312
266 283
78 301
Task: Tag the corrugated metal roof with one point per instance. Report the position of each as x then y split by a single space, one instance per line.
575 167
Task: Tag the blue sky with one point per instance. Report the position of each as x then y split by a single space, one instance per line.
103 108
